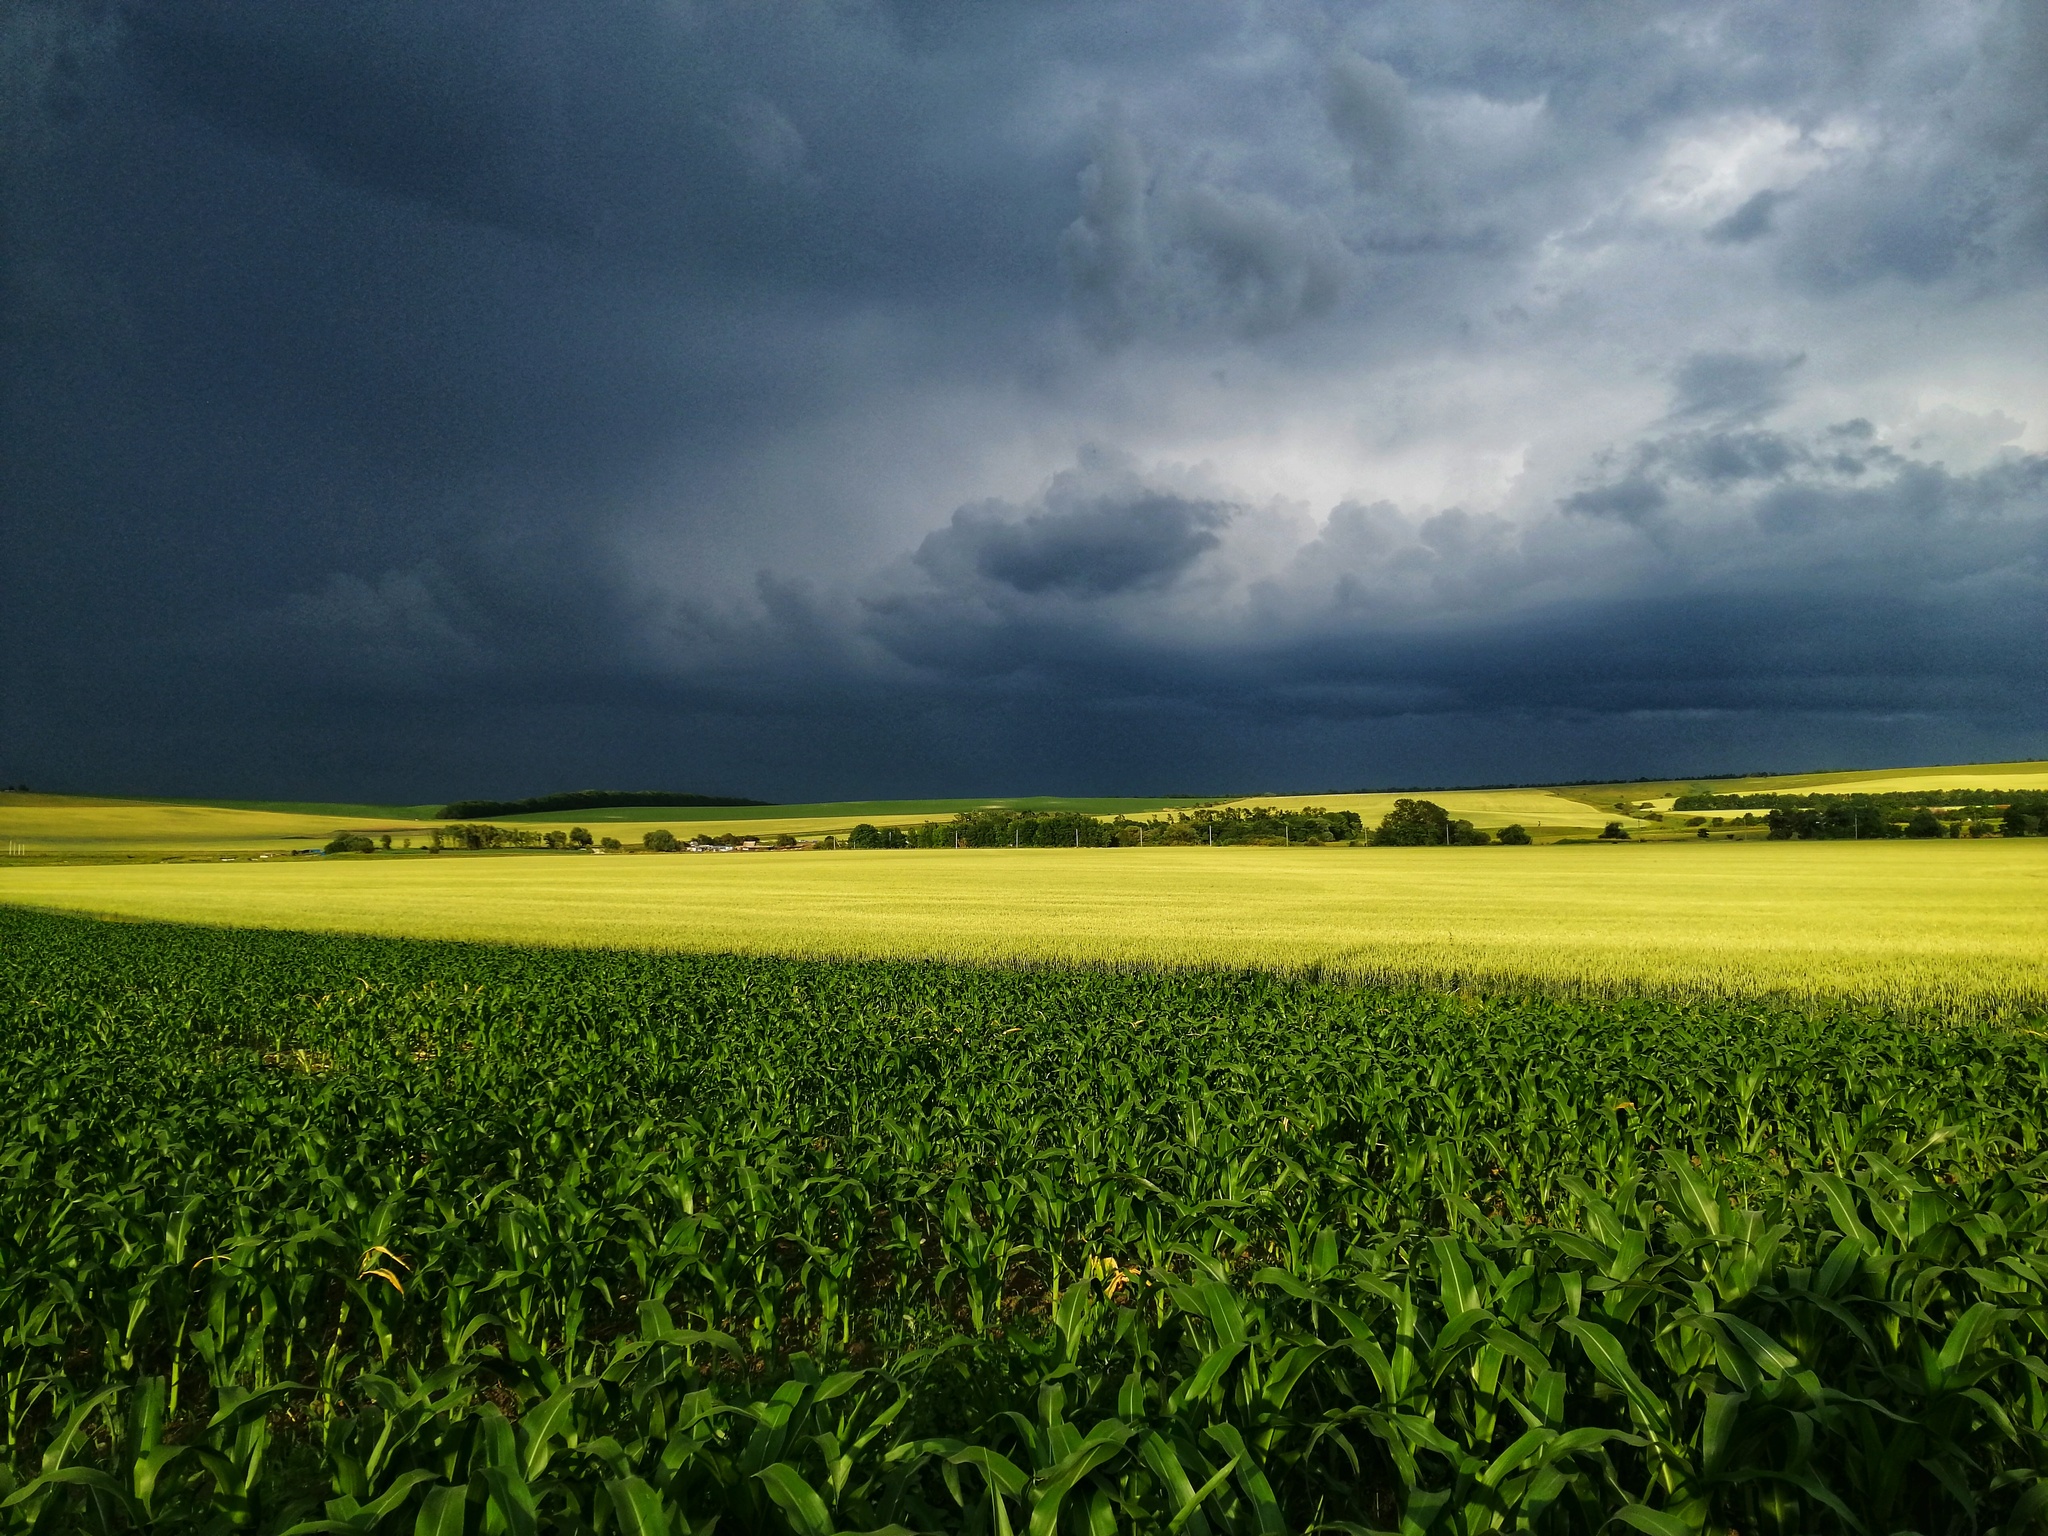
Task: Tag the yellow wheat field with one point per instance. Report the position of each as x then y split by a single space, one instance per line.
1946 926
2019 775
1536 809
79 826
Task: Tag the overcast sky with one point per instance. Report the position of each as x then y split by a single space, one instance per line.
412 400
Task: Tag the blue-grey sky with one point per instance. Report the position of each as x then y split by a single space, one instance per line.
415 400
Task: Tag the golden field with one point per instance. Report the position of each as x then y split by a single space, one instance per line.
1947 926
82 826
1489 809
2022 775
66 826
85 827
77 826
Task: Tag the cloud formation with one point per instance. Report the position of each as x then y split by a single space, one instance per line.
423 400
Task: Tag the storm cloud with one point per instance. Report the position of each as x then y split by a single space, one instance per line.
436 400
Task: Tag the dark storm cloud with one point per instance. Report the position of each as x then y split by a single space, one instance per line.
1873 579
1731 384
1152 254
1751 221
1093 549
436 399
393 98
725 141
1369 111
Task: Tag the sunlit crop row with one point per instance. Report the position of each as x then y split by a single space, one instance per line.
1953 928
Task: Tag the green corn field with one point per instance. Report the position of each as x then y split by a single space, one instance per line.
327 1234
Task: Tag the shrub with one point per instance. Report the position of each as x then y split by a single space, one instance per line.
866 835
1412 824
350 842
1515 835
1614 832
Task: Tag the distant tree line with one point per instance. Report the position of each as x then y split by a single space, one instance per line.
477 835
1411 823
661 840
1002 827
2024 815
1901 799
580 800
1263 824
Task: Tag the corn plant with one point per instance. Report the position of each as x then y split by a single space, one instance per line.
318 1234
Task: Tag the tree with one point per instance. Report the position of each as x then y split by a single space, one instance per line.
1614 832
609 844
1412 824
1925 823
1515 835
558 839
660 840
579 837
350 842
864 836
